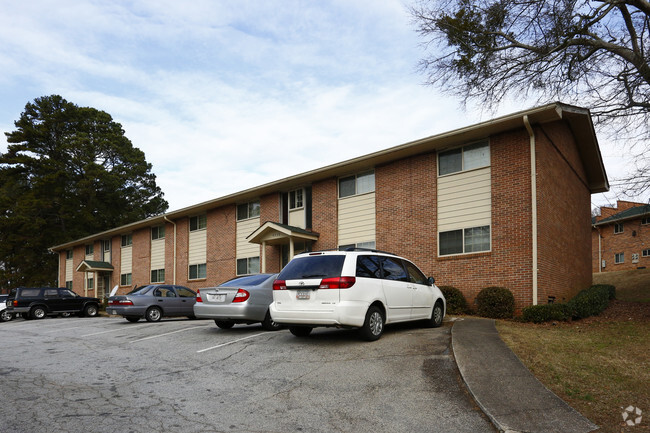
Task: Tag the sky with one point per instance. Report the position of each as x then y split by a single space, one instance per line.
223 96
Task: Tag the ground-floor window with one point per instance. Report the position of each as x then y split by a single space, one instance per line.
619 258
365 245
68 285
198 271
125 279
469 240
90 283
158 276
646 253
249 265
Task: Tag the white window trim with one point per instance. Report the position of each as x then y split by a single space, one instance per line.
189 223
356 189
197 271
463 232
463 170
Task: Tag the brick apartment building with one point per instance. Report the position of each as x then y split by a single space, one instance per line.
464 205
620 237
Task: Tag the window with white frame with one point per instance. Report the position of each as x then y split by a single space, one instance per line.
199 222
127 240
469 240
68 255
464 158
248 210
618 228
646 253
198 271
125 279
645 220
157 232
158 276
68 285
358 184
90 282
89 249
249 265
295 199
619 258
365 245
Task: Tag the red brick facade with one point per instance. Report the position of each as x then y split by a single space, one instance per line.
406 214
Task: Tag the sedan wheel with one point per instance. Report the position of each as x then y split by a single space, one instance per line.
153 314
6 316
373 326
224 324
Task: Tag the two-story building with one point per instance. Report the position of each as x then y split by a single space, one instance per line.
500 203
621 237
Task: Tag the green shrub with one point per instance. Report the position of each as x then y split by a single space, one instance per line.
591 301
496 303
545 313
456 302
611 290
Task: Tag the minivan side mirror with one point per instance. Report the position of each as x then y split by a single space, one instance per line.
432 281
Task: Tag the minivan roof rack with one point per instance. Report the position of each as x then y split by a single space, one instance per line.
372 250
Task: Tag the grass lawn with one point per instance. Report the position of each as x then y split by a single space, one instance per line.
599 365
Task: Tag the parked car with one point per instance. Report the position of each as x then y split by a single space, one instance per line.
240 300
5 315
38 302
363 289
153 302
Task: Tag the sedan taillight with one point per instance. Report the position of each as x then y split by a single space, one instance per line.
198 296
120 302
241 296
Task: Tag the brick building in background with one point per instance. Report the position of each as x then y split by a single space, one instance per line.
465 206
620 239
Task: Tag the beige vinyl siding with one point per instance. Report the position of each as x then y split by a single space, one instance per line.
198 247
357 219
126 264
244 248
464 200
297 218
158 254
68 269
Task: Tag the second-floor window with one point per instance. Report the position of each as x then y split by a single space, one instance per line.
295 199
89 249
464 158
248 210
358 184
127 240
199 222
157 232
618 228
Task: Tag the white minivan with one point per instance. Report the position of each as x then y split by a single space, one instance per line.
363 289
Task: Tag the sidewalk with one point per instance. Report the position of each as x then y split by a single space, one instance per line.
513 399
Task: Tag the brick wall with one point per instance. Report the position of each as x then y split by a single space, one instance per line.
633 240
325 213
270 211
141 259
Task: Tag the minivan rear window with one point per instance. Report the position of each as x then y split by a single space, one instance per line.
303 268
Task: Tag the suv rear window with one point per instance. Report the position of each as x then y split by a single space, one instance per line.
326 266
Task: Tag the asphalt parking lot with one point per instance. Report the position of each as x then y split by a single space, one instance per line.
107 375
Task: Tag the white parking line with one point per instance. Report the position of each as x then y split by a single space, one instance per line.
231 342
167 333
62 329
114 330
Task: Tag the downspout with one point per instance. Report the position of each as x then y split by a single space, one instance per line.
600 250
533 192
174 224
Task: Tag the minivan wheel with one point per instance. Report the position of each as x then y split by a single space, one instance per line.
300 331
373 326
437 314
224 324
153 314
268 324
38 313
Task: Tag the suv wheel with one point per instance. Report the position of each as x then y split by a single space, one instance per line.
268 324
38 313
373 326
91 310
153 314
300 331
6 316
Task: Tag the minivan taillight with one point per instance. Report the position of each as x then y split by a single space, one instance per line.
279 285
241 296
198 296
337 283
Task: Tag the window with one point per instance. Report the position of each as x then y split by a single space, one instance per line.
199 222
157 232
68 255
250 265
646 253
357 184
619 258
107 245
127 240
368 267
89 249
90 283
295 199
158 276
198 271
645 220
393 269
470 240
365 245
464 158
125 279
68 285
618 228
248 210
51 293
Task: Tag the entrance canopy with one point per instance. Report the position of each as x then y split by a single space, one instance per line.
94 266
271 233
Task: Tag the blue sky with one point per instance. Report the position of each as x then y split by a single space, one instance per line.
227 95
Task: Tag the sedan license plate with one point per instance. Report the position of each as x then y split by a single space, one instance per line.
217 298
303 294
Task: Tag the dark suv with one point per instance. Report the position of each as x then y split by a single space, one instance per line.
38 302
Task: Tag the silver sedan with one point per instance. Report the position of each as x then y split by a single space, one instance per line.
153 302
240 300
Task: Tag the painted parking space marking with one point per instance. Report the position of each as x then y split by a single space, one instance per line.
114 330
167 333
231 342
